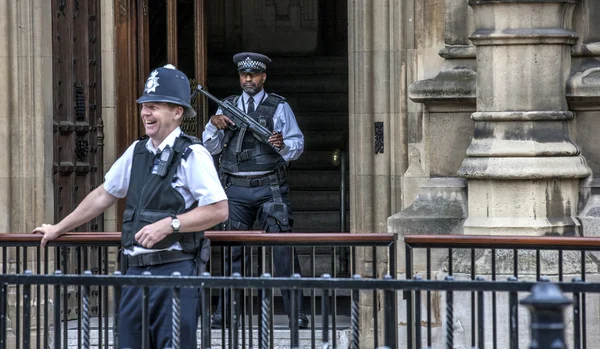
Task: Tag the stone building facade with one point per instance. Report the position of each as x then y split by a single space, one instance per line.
474 117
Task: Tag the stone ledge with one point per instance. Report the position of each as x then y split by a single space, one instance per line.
526 168
449 84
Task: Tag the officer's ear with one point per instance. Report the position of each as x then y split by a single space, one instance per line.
264 77
178 112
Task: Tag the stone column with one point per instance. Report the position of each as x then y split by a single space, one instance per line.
378 149
26 118
523 167
376 132
25 121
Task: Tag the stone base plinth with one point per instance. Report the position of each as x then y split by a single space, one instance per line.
522 207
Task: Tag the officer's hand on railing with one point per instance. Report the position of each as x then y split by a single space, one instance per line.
49 231
221 122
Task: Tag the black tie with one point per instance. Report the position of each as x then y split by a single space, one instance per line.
250 105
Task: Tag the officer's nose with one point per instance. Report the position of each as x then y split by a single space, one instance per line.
145 111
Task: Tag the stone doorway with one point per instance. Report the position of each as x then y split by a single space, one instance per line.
308 42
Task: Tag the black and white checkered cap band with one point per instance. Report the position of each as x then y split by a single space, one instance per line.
250 64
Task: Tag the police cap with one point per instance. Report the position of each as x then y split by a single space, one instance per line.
168 84
251 62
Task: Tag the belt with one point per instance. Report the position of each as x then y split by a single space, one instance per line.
155 258
252 181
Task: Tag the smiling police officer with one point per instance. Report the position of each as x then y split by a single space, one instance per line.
254 173
172 195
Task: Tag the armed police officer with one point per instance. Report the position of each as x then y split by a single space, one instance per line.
173 194
253 172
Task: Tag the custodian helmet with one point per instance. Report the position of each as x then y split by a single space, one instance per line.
167 84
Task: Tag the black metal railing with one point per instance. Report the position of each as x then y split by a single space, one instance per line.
98 253
510 258
462 291
546 303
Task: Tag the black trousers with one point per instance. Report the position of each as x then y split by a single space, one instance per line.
246 204
160 307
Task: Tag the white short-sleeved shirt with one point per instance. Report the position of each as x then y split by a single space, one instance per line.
197 179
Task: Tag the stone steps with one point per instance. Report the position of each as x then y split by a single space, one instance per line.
316 200
314 180
318 221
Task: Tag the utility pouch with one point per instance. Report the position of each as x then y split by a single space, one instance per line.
203 256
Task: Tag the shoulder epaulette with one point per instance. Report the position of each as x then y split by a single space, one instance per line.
281 98
184 142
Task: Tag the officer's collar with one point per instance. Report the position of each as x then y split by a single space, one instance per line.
257 97
170 141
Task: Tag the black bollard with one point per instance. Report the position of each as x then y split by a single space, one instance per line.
546 304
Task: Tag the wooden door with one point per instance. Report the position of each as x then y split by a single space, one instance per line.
149 34
78 127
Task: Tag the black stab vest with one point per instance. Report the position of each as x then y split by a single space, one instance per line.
151 197
242 152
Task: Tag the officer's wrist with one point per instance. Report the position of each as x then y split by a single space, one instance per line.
175 224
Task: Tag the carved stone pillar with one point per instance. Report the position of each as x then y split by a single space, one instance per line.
523 167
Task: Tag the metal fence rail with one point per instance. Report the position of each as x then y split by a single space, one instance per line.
546 302
99 254
510 258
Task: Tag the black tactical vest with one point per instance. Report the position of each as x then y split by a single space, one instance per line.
242 152
151 197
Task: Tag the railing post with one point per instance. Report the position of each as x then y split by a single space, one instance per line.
3 314
265 311
449 316
205 306
294 312
513 313
546 304
235 311
417 311
117 310
176 314
85 304
389 317
146 314
577 315
355 338
57 322
27 312
325 315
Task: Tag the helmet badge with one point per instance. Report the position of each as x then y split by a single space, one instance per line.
152 82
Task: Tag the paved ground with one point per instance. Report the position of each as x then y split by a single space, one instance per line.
281 334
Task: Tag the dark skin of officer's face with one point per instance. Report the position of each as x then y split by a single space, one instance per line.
252 83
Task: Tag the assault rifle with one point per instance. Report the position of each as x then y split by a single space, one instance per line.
240 118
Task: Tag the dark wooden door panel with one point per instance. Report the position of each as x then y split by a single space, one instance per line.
78 127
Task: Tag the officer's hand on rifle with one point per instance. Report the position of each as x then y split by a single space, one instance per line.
221 122
277 140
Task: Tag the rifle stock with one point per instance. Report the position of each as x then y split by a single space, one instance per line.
240 118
